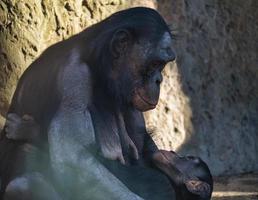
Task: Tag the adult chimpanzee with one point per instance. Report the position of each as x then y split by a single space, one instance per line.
190 176
87 94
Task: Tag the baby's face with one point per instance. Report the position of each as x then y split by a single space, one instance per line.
188 171
188 165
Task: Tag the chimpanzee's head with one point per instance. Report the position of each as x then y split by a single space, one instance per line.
190 175
135 45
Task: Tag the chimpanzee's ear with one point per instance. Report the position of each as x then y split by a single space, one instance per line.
199 188
120 42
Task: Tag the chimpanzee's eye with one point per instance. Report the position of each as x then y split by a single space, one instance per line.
158 64
194 159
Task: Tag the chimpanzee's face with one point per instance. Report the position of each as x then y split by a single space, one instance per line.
137 66
190 165
147 60
189 173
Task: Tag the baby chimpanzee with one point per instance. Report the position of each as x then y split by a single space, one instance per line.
189 175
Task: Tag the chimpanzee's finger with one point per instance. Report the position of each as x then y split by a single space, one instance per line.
121 159
7 129
134 150
13 117
11 123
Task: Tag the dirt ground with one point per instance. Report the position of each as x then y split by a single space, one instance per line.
240 187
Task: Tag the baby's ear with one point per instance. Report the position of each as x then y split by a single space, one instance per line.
199 188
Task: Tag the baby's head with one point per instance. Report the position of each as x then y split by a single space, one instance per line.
190 175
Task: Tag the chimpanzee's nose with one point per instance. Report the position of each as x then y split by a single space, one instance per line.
171 54
158 78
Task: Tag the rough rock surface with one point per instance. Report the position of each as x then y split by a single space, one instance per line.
240 187
209 99
2 120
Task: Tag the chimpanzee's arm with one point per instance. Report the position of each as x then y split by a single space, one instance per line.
135 125
72 140
147 148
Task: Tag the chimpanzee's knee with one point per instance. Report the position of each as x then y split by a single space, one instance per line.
31 186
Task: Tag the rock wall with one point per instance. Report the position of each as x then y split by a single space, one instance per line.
209 99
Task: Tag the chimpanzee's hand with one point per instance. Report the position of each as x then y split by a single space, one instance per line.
20 128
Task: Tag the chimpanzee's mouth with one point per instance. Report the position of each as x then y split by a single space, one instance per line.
152 105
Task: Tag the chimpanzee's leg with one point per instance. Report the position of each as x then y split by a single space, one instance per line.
146 182
31 186
26 178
